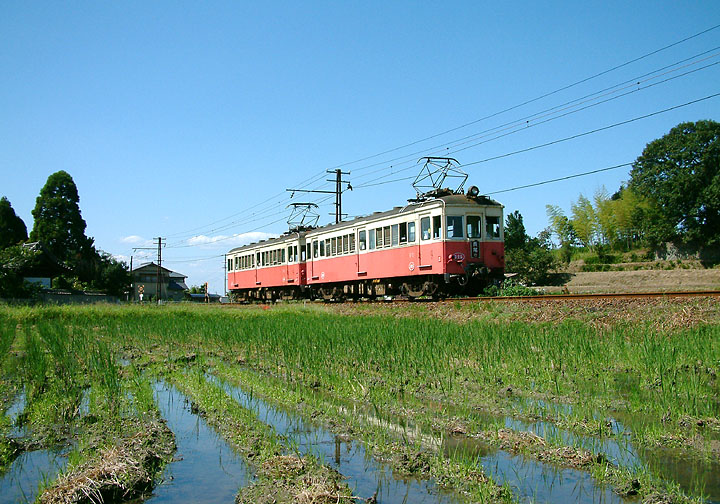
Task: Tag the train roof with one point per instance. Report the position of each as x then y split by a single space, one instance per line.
451 199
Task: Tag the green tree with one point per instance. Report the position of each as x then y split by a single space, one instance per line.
58 222
110 275
562 228
515 234
12 227
584 221
530 258
680 175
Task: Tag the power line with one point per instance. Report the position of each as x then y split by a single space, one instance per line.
559 179
527 102
572 137
320 174
524 123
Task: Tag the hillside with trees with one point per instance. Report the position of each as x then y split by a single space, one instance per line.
673 195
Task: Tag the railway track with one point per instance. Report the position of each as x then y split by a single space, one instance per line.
618 295
541 297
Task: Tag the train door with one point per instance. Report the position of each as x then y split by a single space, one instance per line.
361 257
425 235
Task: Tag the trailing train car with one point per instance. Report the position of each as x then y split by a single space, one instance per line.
451 243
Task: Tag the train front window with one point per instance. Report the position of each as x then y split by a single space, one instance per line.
425 228
411 231
492 227
473 226
322 248
230 265
437 226
315 249
454 226
362 239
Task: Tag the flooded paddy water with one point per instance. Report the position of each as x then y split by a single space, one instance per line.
365 475
205 469
530 481
28 471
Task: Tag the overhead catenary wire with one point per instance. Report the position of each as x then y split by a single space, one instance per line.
524 124
532 100
563 88
557 141
536 115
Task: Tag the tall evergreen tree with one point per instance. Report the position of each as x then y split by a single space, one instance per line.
58 222
12 227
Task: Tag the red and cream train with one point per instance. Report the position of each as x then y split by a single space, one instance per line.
450 243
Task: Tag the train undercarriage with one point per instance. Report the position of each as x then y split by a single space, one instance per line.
412 287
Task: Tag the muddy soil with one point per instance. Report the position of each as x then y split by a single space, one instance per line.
119 470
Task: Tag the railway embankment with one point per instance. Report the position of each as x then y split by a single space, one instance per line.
637 280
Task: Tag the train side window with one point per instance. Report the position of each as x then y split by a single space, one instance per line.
361 239
473 226
411 231
333 246
371 239
352 242
386 236
394 234
454 226
403 232
437 226
425 228
378 237
327 247
346 244
315 249
492 227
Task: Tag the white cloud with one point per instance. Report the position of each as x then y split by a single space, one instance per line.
134 240
229 241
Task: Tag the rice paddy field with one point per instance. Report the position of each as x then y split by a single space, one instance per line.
595 402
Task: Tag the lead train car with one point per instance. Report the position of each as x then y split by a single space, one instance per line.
446 245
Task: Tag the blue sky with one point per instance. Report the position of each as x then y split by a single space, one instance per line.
188 120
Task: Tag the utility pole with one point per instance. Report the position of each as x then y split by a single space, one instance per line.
132 281
337 192
158 288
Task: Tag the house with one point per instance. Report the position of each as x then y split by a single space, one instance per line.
44 267
171 286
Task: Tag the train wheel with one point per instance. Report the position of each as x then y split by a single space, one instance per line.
413 291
